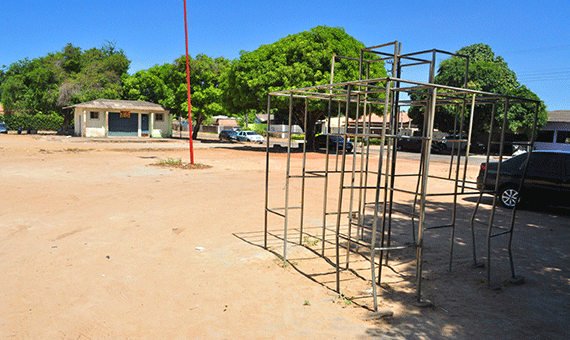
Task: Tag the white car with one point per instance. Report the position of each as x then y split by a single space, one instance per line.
250 136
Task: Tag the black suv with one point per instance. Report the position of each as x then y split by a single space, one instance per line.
334 142
229 135
547 178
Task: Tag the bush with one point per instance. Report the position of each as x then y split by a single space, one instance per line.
298 137
36 122
259 128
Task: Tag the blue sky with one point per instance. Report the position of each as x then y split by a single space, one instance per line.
532 36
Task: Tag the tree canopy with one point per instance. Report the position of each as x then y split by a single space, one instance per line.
166 85
296 61
49 83
488 73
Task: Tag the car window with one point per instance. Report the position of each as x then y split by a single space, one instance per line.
545 164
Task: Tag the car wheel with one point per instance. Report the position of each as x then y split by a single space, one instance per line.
509 196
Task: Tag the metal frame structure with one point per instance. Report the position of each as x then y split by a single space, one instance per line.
358 176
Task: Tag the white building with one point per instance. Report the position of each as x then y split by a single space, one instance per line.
107 117
555 135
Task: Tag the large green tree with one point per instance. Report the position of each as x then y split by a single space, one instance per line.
296 61
47 84
166 85
488 73
160 84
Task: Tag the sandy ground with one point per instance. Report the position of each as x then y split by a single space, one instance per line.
97 243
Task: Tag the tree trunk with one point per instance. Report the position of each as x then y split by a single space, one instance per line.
196 128
67 118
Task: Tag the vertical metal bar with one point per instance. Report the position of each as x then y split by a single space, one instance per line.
425 172
340 192
303 174
326 184
468 148
453 143
338 132
267 170
353 175
287 178
365 156
513 214
394 120
376 199
489 141
492 216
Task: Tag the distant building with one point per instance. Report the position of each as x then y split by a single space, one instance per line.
107 117
261 118
375 122
220 123
555 135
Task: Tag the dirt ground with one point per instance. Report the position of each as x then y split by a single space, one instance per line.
97 242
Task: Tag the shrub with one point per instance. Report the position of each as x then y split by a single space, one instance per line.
36 122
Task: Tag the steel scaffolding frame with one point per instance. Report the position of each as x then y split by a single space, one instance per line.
358 97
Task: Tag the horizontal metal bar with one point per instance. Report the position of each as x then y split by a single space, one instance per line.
290 208
336 213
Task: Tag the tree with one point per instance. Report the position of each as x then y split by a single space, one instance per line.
296 61
488 73
159 84
166 85
49 83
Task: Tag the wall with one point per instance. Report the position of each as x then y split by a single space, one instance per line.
162 128
556 127
98 127
93 127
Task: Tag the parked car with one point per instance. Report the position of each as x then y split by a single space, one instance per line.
3 128
452 143
229 135
547 178
250 136
408 143
334 142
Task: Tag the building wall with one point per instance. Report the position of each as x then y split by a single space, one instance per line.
162 128
557 128
99 127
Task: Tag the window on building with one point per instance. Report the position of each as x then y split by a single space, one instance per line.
563 137
159 117
545 136
94 115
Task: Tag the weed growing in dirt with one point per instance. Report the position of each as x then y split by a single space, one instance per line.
309 241
177 163
170 161
284 264
343 299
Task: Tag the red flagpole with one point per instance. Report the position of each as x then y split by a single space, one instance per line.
188 83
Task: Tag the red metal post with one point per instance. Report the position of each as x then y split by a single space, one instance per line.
188 84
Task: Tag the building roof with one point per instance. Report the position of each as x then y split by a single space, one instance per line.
376 119
126 105
561 116
338 121
262 117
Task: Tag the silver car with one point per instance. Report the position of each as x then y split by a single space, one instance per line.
250 136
